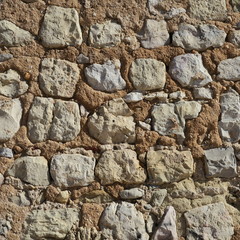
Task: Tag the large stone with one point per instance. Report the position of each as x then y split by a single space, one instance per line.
229 69
60 28
120 166
105 77
234 37
33 170
50 224
154 34
189 71
198 38
71 170
124 222
13 36
107 34
209 222
147 74
10 116
58 78
167 166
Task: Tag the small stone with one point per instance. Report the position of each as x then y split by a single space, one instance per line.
177 95
154 7
189 71
133 97
238 25
29 1
174 12
1 179
105 77
209 222
158 197
154 34
60 28
62 197
234 37
144 125
132 193
202 93
96 196
81 59
58 78
235 5
161 96
6 152
107 34
147 74
5 56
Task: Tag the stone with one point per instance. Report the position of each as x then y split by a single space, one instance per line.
105 77
160 96
58 78
29 1
10 116
202 93
81 59
167 228
174 12
178 95
154 34
220 162
167 166
235 5
123 221
234 37
85 233
60 28
144 125
6 152
229 69
158 197
5 227
154 7
11 84
119 166
198 38
211 221
50 224
132 193
208 10
5 57
188 70
106 34
96 196
147 74
72 170
1 179
13 36
62 197
33 170
133 97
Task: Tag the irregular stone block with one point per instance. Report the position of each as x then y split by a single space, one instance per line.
81 59
71 170
202 93
234 37
133 97
174 12
158 197
5 56
235 5
58 78
132 193
6 152
60 28
154 6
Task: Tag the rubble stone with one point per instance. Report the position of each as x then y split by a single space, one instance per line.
132 193
234 37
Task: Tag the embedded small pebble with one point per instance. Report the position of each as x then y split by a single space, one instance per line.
132 193
6 152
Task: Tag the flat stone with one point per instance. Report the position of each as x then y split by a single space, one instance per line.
5 56
81 59
188 70
167 166
96 196
133 97
13 36
119 166
107 34
71 170
161 96
123 221
1 179
209 222
10 116
235 5
234 37
178 95
58 78
132 193
202 93
229 69
33 170
147 74
154 34
6 152
158 197
105 77
174 12
198 38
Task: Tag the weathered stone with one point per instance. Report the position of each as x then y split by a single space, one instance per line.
166 166
6 152
198 38
179 95
1 179
133 97
62 197
189 71
154 34
160 96
81 59
60 28
96 196
202 93
50 224
147 74
120 166
33 170
154 6
71 170
144 125
174 12
209 222
105 77
5 56
234 37
124 222
85 233
158 197
229 69
107 34
132 193
235 5
10 116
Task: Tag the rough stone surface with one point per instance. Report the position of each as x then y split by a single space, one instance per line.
147 74
6 152
1 179
81 59
71 170
158 197
60 28
120 166
165 166
132 193
133 97
202 93
5 56
236 5
234 37
198 38
209 222
189 71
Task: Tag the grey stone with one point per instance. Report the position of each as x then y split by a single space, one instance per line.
179 95
202 93
71 170
174 12
81 59
29 1
154 6
198 38
20 199
5 56
105 77
5 227
60 28
234 37
238 25
235 5
1 179
86 233
132 193
144 125
209 222
147 74
133 97
189 71
158 197
6 152
160 96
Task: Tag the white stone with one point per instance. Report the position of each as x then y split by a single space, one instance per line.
177 95
202 93
234 37
236 5
1 179
174 12
6 152
158 197
189 71
144 125
5 56
133 97
161 96
132 193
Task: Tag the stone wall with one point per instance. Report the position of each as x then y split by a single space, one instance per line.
119 119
